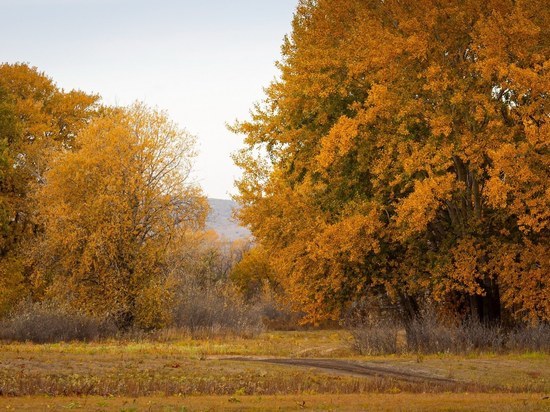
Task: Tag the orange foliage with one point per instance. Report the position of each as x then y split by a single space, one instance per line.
111 209
37 120
404 151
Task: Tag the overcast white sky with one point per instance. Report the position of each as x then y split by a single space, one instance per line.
205 62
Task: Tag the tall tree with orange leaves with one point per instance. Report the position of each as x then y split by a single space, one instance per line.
37 120
404 152
112 209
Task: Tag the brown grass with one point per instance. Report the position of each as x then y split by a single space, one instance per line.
189 367
171 376
371 402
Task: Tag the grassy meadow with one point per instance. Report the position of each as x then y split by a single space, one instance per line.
172 372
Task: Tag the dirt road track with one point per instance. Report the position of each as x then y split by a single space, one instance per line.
355 368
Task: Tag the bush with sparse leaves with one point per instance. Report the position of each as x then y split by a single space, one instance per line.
46 323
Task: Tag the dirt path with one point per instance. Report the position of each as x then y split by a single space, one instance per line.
354 368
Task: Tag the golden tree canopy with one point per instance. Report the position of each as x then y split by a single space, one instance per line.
37 120
404 151
112 207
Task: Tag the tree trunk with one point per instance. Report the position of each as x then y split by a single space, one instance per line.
486 308
409 307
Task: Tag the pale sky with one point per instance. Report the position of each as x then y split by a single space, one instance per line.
204 62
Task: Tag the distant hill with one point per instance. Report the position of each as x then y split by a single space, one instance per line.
220 220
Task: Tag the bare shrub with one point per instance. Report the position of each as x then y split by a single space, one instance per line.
205 301
276 312
530 338
426 334
474 336
47 323
374 326
376 339
216 309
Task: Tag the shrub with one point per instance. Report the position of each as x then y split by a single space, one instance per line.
373 323
427 334
530 338
47 323
376 339
216 309
275 311
472 336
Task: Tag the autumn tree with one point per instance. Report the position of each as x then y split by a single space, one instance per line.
111 208
253 272
404 152
37 120
10 285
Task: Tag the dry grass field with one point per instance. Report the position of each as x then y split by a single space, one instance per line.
322 402
274 371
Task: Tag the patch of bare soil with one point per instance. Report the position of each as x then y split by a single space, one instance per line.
354 368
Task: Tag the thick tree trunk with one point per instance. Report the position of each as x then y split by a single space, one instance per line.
487 308
409 307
